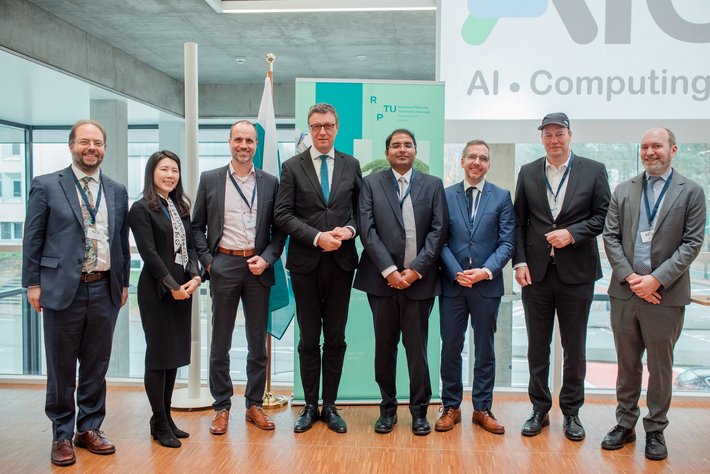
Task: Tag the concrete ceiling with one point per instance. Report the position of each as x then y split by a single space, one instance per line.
396 44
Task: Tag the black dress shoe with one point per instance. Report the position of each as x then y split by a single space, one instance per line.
385 424
420 426
330 415
618 437
309 415
534 424
656 446
574 431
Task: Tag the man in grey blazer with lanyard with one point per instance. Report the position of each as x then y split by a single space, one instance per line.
75 267
237 244
561 201
654 230
316 207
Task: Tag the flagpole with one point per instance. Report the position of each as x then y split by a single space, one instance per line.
270 399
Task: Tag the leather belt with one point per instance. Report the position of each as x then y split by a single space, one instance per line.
237 252
94 276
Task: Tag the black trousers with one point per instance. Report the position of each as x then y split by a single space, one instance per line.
322 300
571 303
395 315
230 282
81 333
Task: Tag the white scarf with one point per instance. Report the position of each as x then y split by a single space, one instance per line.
179 240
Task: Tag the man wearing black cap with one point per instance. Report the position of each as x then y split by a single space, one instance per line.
561 202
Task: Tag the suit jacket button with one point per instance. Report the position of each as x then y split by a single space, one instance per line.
554 226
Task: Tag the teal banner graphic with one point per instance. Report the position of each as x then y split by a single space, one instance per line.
368 111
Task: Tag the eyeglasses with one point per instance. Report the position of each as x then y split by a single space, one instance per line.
316 127
406 146
86 142
481 158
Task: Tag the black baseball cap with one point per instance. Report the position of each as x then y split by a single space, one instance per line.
556 118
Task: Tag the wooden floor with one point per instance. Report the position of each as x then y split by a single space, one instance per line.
25 440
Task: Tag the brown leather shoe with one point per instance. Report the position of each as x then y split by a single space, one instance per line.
486 420
63 453
220 422
95 441
449 417
255 414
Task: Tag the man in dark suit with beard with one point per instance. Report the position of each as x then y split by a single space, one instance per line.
75 267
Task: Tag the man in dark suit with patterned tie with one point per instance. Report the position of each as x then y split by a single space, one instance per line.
316 206
561 201
480 244
403 224
75 267
654 230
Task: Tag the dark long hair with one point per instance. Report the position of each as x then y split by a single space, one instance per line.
181 201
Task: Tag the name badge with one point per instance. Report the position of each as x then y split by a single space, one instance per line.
249 221
178 258
647 236
97 232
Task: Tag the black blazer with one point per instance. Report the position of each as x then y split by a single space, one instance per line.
301 210
383 237
583 212
208 218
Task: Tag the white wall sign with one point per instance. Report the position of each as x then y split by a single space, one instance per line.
594 59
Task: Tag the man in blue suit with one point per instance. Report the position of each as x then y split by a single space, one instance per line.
481 241
75 267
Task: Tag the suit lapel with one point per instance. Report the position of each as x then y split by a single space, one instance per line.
481 207
309 169
675 189
635 202
390 191
577 167
66 181
110 200
259 196
220 191
462 205
538 175
338 165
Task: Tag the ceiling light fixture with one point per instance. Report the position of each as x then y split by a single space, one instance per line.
315 6
240 59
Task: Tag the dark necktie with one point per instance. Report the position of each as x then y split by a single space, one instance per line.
324 177
469 201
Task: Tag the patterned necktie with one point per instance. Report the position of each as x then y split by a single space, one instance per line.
324 177
92 245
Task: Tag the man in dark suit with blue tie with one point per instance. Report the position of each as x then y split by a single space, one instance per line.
481 242
402 221
316 207
561 201
75 267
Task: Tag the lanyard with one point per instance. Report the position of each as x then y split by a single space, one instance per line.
562 181
652 214
253 192
92 211
406 191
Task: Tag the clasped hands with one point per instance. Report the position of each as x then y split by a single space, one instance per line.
645 287
470 277
186 289
402 280
331 240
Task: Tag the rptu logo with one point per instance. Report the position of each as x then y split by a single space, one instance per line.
578 19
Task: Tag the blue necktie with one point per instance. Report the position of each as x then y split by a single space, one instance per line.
324 177
642 250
